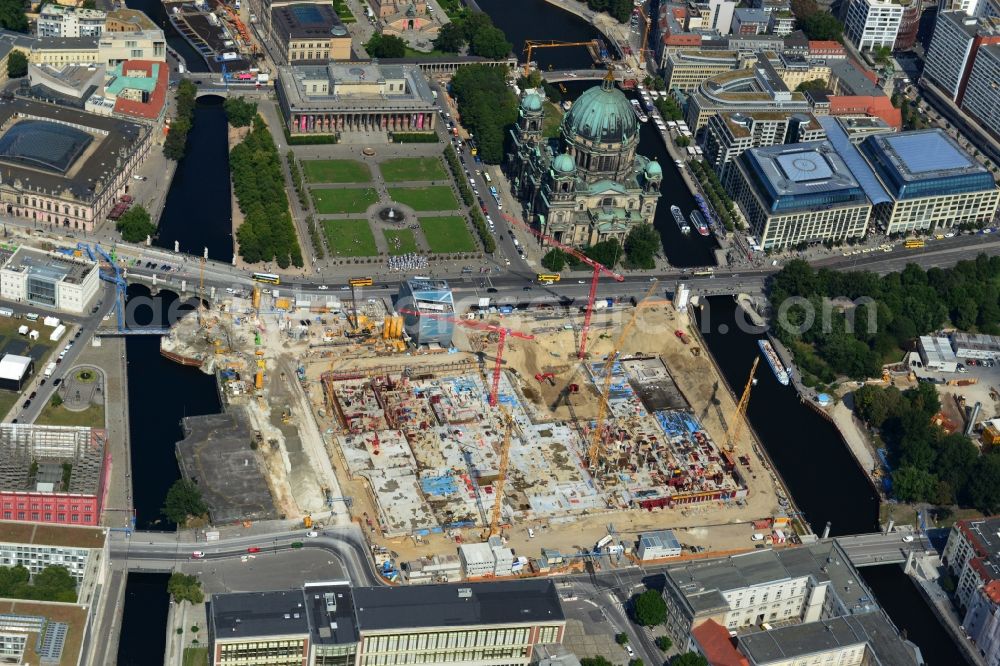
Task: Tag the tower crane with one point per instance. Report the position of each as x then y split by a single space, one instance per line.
644 45
532 44
599 268
741 407
498 485
594 451
501 331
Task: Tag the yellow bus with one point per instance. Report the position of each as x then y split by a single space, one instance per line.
360 282
269 278
913 243
548 278
703 272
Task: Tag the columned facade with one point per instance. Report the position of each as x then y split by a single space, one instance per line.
361 121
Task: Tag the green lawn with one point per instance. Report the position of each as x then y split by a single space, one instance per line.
407 243
551 120
196 656
412 168
447 234
336 171
7 400
346 200
93 416
439 197
350 238
344 12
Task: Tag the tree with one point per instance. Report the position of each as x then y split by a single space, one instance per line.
487 106
176 141
490 43
689 659
664 643
17 64
135 224
239 112
56 400
185 588
451 38
595 661
650 608
183 501
12 578
641 246
881 55
635 662
811 85
53 583
822 26
385 46
89 4
621 638
606 252
12 16
910 484
554 260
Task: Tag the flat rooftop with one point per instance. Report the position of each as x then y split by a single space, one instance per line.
245 614
133 17
295 87
924 154
801 169
36 534
307 21
36 458
61 639
855 82
500 602
330 607
42 264
93 170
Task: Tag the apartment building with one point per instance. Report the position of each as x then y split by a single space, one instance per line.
686 70
972 555
955 46
982 94
982 621
728 135
798 193
872 24
61 21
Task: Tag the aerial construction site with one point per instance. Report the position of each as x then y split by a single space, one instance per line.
395 413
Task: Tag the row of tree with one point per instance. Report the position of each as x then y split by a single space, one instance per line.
240 112
619 9
267 232
53 583
487 107
860 320
723 206
930 464
816 22
475 30
641 246
176 141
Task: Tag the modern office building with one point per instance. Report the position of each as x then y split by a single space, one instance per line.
972 556
859 128
728 135
333 624
954 49
686 70
931 181
798 193
55 20
872 24
53 474
108 48
345 98
307 33
982 94
823 611
49 280
591 185
430 298
658 545
909 25
759 88
747 21
81 550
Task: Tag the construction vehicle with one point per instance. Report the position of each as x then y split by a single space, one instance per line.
501 331
532 44
307 522
599 269
546 376
594 451
741 408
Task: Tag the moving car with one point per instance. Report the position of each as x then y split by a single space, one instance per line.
197 555
253 549
312 534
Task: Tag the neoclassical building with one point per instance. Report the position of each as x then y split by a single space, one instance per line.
589 184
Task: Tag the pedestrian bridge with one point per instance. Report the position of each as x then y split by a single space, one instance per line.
871 550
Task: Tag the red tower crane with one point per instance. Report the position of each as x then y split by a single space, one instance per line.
598 267
501 331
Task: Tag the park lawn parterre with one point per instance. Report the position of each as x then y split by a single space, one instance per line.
407 241
336 171
343 200
403 169
448 233
439 197
350 238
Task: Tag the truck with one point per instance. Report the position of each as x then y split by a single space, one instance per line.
57 332
603 542
50 368
6 312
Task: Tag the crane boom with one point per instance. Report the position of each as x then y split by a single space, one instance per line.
602 410
498 486
741 408
501 331
598 267
531 44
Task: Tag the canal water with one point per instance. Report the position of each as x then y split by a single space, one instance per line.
143 637
198 211
822 475
161 393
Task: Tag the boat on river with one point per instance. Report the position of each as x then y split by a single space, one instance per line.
777 367
698 220
679 219
638 111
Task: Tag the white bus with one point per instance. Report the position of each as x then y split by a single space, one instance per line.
486 177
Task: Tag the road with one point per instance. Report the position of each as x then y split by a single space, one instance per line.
866 550
151 548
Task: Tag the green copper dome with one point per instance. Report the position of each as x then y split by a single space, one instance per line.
531 102
602 115
563 163
654 169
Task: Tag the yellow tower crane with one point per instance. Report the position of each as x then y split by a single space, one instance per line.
201 288
644 44
594 452
741 408
532 44
501 475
